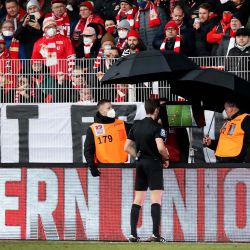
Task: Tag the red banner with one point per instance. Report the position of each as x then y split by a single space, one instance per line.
69 204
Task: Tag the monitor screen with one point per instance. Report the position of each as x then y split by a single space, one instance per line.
180 115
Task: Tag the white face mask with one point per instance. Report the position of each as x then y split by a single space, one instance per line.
51 32
122 34
87 40
8 33
111 113
224 114
36 14
107 49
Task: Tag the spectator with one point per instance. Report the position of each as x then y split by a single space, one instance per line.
184 31
14 12
228 39
172 41
17 49
215 35
86 16
201 27
54 48
127 11
134 43
234 140
110 27
89 47
65 19
242 43
42 83
29 30
3 11
149 19
105 138
122 28
7 89
85 96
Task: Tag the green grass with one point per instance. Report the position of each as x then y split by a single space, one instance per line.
179 115
86 245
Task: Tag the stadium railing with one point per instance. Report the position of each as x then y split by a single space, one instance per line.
22 82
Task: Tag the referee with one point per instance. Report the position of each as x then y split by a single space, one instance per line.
151 155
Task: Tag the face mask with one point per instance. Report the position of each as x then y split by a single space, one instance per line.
36 14
51 32
8 33
107 49
111 113
122 34
87 40
224 114
226 17
142 4
111 29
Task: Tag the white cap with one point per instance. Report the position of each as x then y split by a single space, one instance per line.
32 3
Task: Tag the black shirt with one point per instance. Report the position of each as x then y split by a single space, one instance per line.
144 133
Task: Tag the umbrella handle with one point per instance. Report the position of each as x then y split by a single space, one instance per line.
210 125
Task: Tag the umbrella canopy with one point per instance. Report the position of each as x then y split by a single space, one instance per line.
213 87
152 65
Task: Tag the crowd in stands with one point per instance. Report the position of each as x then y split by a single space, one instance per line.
54 34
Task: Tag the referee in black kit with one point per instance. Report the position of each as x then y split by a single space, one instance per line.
151 157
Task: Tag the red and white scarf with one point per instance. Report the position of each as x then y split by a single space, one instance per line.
63 24
98 59
153 16
120 45
14 48
87 50
177 44
129 15
82 23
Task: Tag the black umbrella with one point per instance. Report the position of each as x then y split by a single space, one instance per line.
146 66
213 87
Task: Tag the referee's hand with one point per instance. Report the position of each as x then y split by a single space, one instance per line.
165 164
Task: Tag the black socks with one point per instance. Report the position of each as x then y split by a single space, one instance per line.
134 216
156 217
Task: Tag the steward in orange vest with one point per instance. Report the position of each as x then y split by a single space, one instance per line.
105 138
233 144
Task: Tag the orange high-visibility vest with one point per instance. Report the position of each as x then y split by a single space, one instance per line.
231 138
109 142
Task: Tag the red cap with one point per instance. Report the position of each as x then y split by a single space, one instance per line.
134 33
88 4
171 24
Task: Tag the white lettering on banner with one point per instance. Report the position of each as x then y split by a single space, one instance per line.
44 208
210 200
186 209
8 203
74 198
232 230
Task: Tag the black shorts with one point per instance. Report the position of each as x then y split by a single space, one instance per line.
149 174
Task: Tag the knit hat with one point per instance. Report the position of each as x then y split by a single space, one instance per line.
235 16
89 31
88 4
171 24
99 29
133 33
59 1
107 37
243 32
32 3
130 2
123 24
2 39
48 21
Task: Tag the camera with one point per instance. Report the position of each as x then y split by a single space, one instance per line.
32 18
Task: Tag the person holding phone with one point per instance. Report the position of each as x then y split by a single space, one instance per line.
29 29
